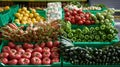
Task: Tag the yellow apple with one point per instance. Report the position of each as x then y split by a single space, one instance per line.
20 10
17 15
26 14
24 9
17 20
36 14
38 18
33 11
30 15
1 9
6 8
24 18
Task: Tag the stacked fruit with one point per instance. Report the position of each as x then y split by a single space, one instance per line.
104 17
37 33
4 8
78 55
24 16
78 17
44 53
101 33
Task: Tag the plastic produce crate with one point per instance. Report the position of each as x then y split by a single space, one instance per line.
14 10
41 13
95 11
91 11
4 17
68 64
74 26
96 44
58 64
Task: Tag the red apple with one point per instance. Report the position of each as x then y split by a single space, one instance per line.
21 51
46 54
55 55
18 47
55 60
6 49
36 45
37 54
11 45
13 62
15 56
55 49
13 51
4 55
36 60
42 45
50 44
4 60
37 49
46 61
26 55
26 46
46 49
29 50
56 43
23 61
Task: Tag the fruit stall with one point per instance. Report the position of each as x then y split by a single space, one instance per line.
64 33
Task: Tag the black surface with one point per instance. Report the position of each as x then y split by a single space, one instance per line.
109 3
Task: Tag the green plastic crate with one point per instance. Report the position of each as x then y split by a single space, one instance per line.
91 11
95 11
90 44
8 15
41 13
74 26
96 44
58 64
67 64
14 10
4 17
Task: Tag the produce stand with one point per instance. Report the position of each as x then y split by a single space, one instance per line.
58 33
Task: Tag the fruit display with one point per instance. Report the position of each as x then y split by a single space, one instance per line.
101 33
4 8
85 18
54 11
39 32
24 54
90 56
72 35
103 17
78 17
24 16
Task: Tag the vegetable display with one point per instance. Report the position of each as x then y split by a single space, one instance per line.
104 17
100 33
37 33
24 16
24 54
78 17
33 40
88 55
4 8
